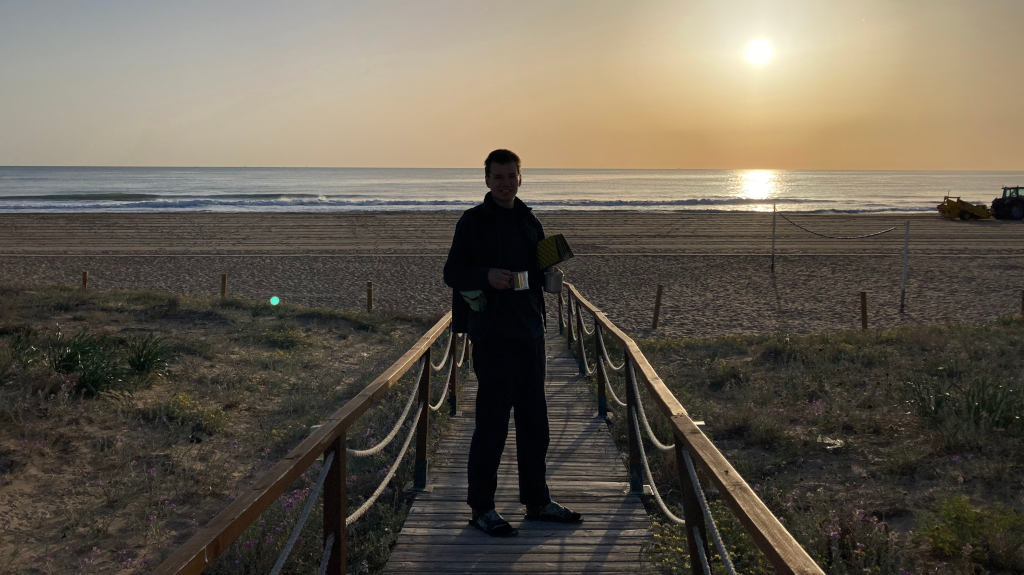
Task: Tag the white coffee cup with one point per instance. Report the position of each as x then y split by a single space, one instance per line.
520 281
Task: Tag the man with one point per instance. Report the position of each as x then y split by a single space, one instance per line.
495 243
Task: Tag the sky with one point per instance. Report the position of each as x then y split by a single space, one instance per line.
646 84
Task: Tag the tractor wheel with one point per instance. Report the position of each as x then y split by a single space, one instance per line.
1017 211
965 215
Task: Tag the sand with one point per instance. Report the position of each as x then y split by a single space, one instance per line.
715 268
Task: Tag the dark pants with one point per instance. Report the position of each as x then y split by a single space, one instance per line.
510 375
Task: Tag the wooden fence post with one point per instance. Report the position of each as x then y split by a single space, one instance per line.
1022 302
85 281
419 480
657 307
863 310
223 285
773 239
336 507
369 296
906 255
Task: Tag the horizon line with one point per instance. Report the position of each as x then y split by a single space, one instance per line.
526 168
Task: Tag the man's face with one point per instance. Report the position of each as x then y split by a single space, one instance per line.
503 181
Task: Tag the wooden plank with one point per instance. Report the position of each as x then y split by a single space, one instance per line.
585 471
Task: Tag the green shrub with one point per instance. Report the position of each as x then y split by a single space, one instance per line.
24 346
147 354
991 537
281 336
98 371
182 410
93 357
965 410
778 350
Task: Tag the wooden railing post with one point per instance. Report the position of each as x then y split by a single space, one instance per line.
336 507
85 281
636 478
419 481
695 520
863 310
602 374
580 352
223 285
369 296
657 307
453 375
561 326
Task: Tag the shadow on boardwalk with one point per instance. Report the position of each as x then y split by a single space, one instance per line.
585 471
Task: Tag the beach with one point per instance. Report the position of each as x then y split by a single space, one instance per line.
715 268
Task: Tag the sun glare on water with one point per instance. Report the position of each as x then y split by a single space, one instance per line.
758 185
759 51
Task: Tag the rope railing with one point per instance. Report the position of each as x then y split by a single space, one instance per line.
329 440
583 326
301 522
326 556
448 348
778 545
447 388
603 353
570 321
709 520
643 414
394 430
702 553
650 479
387 478
462 355
608 386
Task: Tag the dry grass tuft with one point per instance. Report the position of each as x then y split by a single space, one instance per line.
128 419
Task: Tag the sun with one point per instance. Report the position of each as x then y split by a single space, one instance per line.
759 51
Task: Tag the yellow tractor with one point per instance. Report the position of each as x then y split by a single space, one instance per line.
953 208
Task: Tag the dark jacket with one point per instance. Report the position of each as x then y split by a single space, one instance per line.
489 236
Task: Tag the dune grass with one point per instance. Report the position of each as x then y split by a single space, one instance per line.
128 419
895 451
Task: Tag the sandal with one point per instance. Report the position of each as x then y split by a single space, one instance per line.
493 524
553 512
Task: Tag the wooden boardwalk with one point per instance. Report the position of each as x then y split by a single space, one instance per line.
585 472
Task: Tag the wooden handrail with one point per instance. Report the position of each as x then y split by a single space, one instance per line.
215 538
778 545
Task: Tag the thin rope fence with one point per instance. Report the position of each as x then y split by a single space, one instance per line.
820 235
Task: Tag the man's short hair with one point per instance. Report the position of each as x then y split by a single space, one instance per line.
500 157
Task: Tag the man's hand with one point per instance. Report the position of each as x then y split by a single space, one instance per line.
500 279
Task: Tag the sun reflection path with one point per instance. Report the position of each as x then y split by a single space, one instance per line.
758 184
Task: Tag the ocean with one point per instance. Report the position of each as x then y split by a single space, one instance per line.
136 189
